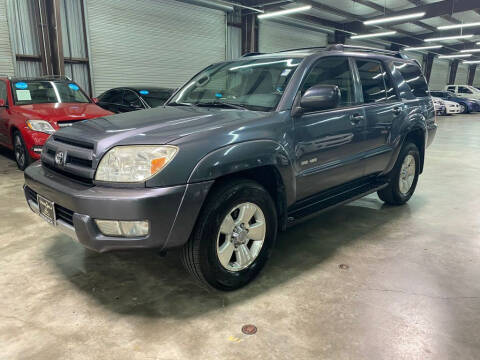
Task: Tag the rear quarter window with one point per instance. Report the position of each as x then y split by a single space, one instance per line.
413 83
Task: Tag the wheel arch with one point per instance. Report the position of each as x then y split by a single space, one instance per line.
263 161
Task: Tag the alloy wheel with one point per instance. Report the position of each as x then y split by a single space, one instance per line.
407 174
241 236
19 151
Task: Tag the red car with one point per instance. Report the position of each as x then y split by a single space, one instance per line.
31 109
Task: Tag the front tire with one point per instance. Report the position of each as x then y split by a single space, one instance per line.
403 177
22 157
464 108
233 237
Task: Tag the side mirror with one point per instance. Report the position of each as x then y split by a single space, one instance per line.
3 103
320 97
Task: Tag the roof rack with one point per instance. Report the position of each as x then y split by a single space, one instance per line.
304 48
342 47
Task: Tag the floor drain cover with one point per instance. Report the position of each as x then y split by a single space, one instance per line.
343 266
249 329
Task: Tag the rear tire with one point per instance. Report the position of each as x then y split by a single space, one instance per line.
403 177
22 157
227 259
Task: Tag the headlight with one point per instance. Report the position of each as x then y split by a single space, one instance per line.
134 163
41 126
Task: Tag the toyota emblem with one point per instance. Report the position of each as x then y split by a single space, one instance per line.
59 158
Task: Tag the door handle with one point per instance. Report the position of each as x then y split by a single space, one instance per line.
397 110
356 118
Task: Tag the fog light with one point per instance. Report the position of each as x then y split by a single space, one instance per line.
123 228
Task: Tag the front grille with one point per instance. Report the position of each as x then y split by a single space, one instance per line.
61 213
70 157
64 214
67 123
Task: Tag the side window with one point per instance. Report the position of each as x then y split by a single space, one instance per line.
371 78
131 99
3 91
333 71
451 88
464 90
413 77
112 97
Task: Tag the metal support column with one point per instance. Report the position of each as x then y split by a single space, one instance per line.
471 74
427 67
249 32
453 72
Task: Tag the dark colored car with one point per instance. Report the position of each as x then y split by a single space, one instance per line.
31 109
242 150
466 105
133 98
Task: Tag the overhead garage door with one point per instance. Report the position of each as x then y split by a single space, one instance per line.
462 74
6 56
476 80
274 36
439 75
147 42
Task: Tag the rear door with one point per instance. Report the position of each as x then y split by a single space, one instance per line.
382 108
329 143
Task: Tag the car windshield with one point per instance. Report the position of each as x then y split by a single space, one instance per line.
44 92
154 97
255 84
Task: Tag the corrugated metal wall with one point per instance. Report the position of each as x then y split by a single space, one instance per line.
151 42
6 56
274 36
462 74
439 75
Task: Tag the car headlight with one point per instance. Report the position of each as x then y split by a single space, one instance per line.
134 163
41 126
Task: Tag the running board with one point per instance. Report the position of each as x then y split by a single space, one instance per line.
321 203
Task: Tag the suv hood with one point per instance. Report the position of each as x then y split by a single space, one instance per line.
155 126
61 111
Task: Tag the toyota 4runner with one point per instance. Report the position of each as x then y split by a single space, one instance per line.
239 152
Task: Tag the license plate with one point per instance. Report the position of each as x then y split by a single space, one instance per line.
46 209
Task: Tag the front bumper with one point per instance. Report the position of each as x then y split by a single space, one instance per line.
171 211
453 109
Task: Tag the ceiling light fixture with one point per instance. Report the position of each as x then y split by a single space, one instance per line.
456 37
284 12
470 50
471 61
394 18
423 47
364 36
454 56
457 26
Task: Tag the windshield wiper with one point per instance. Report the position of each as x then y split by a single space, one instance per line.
221 104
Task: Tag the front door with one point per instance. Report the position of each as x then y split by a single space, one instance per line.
329 143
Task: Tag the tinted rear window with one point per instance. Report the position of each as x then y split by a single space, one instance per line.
414 78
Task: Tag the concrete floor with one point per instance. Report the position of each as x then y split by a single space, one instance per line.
411 291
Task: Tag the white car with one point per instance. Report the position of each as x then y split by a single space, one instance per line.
452 107
466 91
439 105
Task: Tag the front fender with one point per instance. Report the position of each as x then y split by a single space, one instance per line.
246 156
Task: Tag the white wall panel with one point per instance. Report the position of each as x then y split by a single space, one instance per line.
274 36
6 55
439 75
462 74
151 42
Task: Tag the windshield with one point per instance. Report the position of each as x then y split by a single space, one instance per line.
253 84
155 98
44 92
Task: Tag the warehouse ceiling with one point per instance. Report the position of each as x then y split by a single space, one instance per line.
347 16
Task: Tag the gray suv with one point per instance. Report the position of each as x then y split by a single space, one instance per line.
241 151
